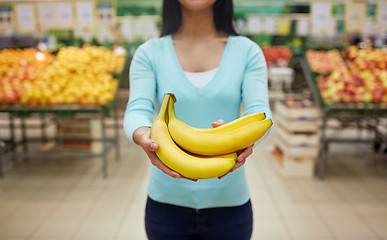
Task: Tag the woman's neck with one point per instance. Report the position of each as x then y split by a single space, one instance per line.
197 25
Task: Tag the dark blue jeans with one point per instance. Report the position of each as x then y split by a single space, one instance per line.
170 222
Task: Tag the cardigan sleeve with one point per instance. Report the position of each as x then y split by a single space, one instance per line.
140 109
255 97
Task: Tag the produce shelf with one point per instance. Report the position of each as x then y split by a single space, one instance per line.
366 116
53 114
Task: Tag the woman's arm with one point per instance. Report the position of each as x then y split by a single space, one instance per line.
140 109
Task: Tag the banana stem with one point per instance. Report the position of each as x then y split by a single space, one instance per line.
164 108
171 110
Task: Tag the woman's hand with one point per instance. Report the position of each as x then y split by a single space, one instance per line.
241 157
142 137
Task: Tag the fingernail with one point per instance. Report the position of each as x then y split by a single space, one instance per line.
240 159
176 176
153 146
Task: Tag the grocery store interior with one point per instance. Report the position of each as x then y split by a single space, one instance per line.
69 172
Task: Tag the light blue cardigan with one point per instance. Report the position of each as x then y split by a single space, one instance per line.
241 77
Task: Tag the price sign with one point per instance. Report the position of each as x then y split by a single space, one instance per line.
46 15
283 27
369 26
355 16
382 15
151 29
302 27
25 17
321 16
138 28
270 25
85 14
105 13
5 17
254 25
65 14
127 31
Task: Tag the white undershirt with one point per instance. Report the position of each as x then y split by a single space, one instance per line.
201 79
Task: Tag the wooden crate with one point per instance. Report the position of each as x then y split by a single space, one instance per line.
298 116
292 167
296 151
296 142
297 138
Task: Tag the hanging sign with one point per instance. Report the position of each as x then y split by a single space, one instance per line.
369 26
127 30
105 13
25 16
85 14
270 25
46 15
5 17
150 29
254 25
65 14
283 27
321 16
302 27
355 16
382 16
138 28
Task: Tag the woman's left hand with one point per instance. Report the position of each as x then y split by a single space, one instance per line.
241 157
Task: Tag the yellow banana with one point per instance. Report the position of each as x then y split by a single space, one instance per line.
188 165
208 144
237 123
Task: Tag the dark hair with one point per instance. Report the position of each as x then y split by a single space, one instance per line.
223 17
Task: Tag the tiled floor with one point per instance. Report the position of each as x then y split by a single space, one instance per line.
69 199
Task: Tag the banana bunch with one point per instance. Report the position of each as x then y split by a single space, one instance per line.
203 153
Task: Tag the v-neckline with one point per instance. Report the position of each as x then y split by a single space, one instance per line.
183 75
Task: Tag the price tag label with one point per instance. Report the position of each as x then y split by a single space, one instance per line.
254 25
369 26
105 13
283 27
151 29
302 27
127 31
321 15
382 16
270 25
355 16
25 17
138 28
5 17
46 15
65 14
85 14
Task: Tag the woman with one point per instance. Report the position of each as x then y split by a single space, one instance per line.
211 70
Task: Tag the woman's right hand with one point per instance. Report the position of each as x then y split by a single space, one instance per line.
142 137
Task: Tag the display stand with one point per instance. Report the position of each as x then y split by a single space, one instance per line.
53 115
362 115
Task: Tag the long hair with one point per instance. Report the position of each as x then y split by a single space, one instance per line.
223 17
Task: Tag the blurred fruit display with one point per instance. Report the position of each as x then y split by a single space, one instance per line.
363 81
278 56
17 66
76 76
324 62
